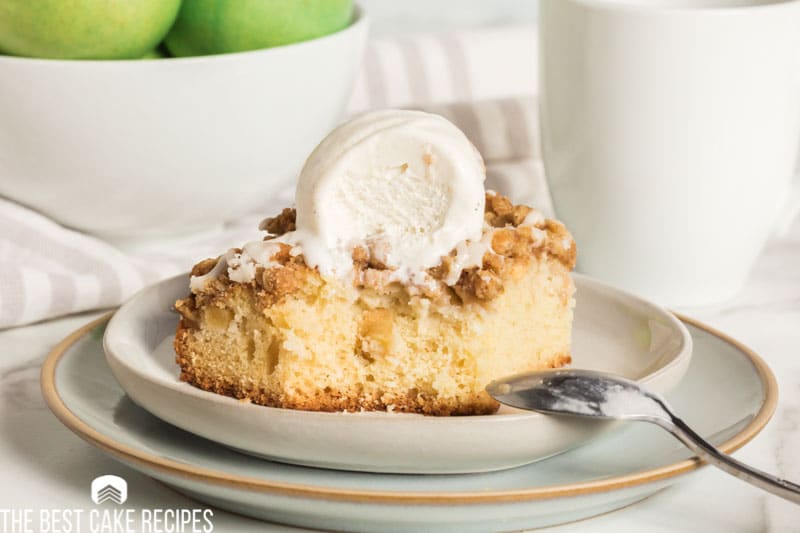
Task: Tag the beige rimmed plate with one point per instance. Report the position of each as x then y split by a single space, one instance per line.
728 394
613 332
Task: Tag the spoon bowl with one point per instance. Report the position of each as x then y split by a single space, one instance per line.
584 393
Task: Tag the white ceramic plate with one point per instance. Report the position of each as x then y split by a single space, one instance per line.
613 332
727 395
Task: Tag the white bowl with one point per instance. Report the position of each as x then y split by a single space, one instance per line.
135 149
613 332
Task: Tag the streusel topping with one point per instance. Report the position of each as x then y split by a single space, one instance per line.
513 237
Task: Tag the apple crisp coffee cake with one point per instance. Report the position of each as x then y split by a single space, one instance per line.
366 318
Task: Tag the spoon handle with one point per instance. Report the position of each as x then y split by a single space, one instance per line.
706 451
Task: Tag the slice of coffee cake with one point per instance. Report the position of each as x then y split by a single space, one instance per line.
361 314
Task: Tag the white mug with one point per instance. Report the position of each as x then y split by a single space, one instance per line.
670 133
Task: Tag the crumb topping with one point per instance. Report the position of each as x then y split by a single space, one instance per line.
278 225
513 237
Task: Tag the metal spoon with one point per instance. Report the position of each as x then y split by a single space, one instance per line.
603 396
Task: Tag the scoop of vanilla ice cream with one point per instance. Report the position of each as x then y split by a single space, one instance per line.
407 185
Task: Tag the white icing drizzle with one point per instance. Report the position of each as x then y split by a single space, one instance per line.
539 236
198 283
240 266
469 254
534 218
420 282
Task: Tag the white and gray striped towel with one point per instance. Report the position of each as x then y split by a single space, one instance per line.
482 80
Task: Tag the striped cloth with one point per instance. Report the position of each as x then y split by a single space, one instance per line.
482 80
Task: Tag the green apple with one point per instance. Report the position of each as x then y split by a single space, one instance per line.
84 29
208 27
155 53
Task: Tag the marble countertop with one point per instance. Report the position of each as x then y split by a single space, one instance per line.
42 464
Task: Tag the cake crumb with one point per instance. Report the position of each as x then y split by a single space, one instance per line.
285 222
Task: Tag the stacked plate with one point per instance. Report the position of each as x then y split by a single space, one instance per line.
394 471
